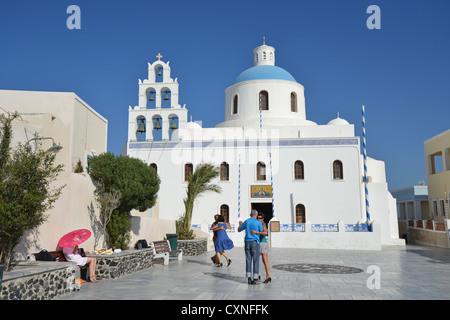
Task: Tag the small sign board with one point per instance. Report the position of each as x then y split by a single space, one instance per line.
274 226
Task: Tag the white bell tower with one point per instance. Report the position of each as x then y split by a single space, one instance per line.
158 116
264 55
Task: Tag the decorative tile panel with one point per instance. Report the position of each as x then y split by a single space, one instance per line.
295 227
357 228
324 228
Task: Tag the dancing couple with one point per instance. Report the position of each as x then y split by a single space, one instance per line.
222 242
255 245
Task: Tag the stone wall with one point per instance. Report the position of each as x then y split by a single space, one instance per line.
119 264
193 247
42 281
426 232
47 280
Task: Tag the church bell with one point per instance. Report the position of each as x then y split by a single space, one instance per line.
141 127
159 71
166 96
173 124
151 98
157 125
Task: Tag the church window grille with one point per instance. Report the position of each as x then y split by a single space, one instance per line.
300 214
260 171
293 102
299 173
225 212
338 173
235 104
224 171
188 170
264 55
264 100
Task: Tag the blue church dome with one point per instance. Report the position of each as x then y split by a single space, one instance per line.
264 72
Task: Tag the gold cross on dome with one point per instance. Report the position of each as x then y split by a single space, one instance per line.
159 56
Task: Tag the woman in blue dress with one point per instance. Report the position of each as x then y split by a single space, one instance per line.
223 242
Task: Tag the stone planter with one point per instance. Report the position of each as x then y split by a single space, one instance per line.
193 247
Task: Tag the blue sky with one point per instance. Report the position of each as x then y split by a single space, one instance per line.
401 72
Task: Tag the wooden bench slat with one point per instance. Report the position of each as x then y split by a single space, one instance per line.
161 249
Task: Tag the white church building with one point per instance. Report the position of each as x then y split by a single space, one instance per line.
307 178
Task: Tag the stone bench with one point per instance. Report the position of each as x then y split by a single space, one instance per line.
39 280
111 266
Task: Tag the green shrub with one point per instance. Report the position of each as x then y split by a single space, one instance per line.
119 231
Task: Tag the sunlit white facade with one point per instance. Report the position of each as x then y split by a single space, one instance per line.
306 178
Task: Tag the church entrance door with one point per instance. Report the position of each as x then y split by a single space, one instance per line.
264 207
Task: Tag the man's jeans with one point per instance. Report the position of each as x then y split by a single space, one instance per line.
252 255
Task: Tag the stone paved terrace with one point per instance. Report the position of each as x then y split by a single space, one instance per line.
410 272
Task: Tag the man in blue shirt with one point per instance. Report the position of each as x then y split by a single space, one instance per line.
251 245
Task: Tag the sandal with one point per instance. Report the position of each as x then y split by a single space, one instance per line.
95 279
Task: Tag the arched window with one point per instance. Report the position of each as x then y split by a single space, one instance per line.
173 126
154 166
151 98
157 128
338 172
188 170
166 96
264 100
225 212
224 171
299 170
260 171
235 104
159 70
300 215
293 102
141 129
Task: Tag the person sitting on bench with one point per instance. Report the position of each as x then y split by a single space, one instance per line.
71 254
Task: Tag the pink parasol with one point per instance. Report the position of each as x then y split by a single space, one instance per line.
74 238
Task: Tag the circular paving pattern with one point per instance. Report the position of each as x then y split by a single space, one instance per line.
316 268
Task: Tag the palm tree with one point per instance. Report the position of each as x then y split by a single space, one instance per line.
198 185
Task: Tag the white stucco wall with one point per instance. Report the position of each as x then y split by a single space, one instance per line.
80 130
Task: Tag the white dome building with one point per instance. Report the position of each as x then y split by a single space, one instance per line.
306 178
